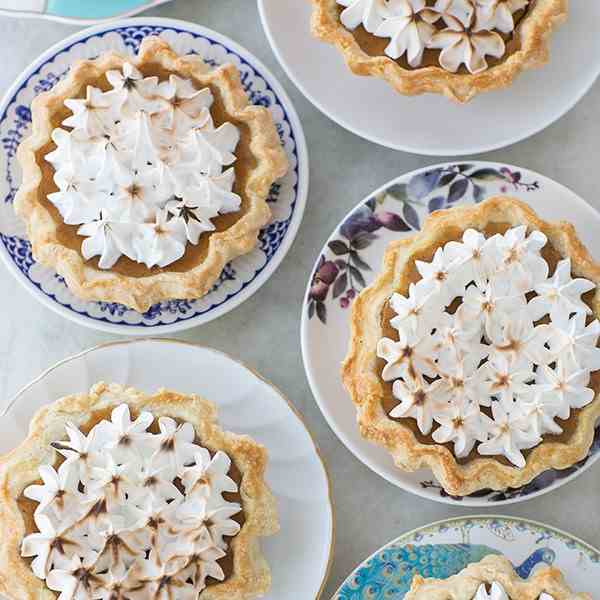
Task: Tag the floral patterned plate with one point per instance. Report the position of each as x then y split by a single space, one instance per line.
243 276
447 547
350 261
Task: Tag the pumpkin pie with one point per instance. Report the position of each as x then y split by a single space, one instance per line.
459 48
143 177
475 351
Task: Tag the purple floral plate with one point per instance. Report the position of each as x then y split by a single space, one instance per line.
350 261
240 278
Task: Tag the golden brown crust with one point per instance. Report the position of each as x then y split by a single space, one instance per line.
140 293
535 31
250 577
362 378
491 569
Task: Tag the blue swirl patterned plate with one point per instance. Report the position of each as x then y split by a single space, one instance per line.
243 276
349 262
447 547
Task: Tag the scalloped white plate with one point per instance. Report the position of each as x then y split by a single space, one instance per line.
300 554
243 276
403 203
431 124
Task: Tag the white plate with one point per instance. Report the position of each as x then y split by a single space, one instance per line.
243 276
299 555
403 204
432 124
444 548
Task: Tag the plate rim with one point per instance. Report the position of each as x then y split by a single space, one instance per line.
303 183
473 503
29 14
467 517
160 340
429 151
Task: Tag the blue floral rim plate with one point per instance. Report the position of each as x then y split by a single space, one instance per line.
443 549
243 276
350 261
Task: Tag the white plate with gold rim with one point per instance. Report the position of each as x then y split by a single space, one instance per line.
350 260
431 124
300 554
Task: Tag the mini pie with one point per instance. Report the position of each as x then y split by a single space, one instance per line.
494 579
459 48
144 177
474 353
116 495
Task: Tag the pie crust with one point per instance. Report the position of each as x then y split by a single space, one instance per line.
250 574
361 371
261 160
534 30
491 569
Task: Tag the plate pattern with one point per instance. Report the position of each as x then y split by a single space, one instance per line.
444 549
402 207
351 258
15 124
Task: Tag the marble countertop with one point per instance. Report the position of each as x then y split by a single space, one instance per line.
344 169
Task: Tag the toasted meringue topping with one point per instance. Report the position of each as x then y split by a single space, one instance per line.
497 592
495 372
143 170
465 32
132 511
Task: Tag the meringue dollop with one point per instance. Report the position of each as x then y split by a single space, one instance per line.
497 592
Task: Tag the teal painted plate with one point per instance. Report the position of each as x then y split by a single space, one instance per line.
80 12
445 548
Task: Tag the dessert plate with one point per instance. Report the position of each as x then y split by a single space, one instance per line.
349 262
243 276
300 554
444 548
432 124
77 12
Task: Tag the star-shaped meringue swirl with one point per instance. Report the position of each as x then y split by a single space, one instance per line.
409 25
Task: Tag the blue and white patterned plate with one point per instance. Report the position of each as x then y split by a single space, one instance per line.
243 276
349 262
447 547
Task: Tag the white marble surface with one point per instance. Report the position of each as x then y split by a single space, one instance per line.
264 331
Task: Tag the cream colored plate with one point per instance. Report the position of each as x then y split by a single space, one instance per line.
300 554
